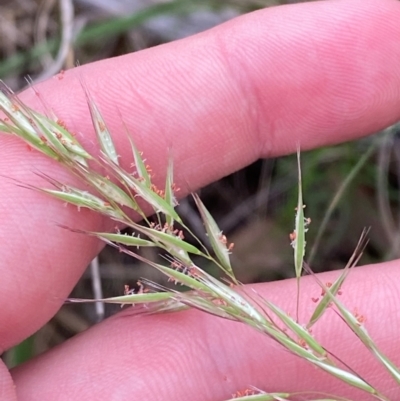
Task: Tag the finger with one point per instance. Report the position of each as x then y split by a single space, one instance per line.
7 386
195 356
256 86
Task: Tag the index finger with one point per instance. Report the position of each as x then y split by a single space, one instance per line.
257 86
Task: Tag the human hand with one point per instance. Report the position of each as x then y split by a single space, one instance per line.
313 74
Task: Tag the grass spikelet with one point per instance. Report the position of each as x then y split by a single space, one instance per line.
109 190
158 204
217 239
355 322
122 239
38 131
131 299
79 198
255 395
103 134
177 276
335 287
347 377
141 168
301 333
171 242
169 191
63 142
231 297
18 124
83 199
14 110
298 235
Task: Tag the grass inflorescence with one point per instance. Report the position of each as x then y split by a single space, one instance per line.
119 194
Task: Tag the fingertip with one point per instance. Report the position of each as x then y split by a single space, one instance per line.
7 386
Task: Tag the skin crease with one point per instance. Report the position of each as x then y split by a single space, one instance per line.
309 74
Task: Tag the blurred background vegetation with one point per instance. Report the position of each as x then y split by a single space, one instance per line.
255 206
